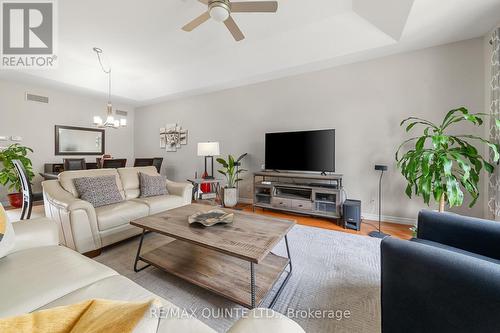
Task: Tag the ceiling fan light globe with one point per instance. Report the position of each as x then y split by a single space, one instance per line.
219 13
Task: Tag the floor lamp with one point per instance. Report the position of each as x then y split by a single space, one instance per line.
379 233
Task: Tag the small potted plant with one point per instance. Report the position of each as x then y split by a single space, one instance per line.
230 169
8 174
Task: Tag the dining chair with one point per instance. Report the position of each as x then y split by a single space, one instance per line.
28 196
74 164
100 159
140 162
157 161
114 163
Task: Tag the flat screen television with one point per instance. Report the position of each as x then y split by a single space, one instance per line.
301 151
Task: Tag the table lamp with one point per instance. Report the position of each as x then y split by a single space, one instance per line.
208 150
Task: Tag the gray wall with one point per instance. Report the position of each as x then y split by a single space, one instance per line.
364 102
35 122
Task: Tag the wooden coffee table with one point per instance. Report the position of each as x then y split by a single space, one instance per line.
234 261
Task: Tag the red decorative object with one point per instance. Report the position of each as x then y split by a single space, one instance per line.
205 187
15 199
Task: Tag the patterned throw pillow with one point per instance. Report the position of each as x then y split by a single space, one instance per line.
99 191
6 234
152 185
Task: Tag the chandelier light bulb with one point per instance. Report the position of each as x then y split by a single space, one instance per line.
97 121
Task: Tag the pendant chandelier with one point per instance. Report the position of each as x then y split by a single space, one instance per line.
110 121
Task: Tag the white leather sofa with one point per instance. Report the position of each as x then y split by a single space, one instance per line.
38 274
87 229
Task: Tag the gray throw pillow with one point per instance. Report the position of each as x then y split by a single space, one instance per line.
99 191
152 185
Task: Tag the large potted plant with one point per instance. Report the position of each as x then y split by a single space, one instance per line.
230 169
8 174
441 165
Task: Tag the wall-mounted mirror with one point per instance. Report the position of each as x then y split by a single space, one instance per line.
70 140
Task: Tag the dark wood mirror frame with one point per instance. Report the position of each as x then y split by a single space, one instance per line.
56 144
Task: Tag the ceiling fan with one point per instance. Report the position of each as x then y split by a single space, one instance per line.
221 10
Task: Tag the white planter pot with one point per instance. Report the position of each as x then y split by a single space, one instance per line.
230 197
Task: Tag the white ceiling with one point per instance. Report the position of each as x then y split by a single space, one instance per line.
154 60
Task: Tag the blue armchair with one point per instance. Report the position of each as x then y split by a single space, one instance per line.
445 280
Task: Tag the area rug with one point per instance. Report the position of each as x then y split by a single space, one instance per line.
335 285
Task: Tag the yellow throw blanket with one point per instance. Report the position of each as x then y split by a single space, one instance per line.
3 222
89 316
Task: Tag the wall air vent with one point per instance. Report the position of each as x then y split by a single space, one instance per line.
121 113
37 98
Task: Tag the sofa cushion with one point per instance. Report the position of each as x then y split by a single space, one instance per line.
130 179
122 289
161 203
152 185
36 232
454 249
66 178
99 191
265 320
34 277
114 215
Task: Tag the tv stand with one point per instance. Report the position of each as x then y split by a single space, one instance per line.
304 193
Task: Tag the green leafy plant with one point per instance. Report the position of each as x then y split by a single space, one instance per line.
442 165
230 171
8 174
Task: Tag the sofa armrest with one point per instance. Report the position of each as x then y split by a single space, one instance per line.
265 320
429 289
184 190
76 218
463 232
59 197
35 233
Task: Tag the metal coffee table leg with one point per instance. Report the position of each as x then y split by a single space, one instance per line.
252 284
283 284
138 255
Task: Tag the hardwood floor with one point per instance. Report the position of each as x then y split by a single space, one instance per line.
401 231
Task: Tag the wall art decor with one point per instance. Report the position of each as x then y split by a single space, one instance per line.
172 137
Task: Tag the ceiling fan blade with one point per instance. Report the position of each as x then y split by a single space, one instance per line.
233 28
254 6
196 22
205 2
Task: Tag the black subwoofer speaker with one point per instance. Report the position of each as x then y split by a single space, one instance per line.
351 214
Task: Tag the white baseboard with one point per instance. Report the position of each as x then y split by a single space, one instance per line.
390 219
364 216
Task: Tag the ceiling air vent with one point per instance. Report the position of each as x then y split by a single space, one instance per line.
37 98
121 113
